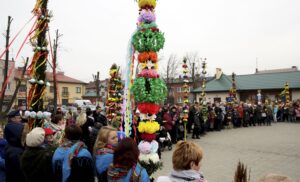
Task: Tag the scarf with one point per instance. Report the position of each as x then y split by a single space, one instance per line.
75 147
108 149
116 172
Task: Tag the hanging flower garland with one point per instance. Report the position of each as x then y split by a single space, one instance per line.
148 89
114 97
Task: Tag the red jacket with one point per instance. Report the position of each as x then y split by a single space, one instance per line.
169 121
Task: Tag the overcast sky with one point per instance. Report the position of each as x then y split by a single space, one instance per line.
231 34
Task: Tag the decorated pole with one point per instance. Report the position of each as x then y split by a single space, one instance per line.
287 93
186 91
39 61
148 89
232 91
114 97
204 108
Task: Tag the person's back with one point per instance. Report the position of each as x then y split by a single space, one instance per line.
73 157
13 150
36 159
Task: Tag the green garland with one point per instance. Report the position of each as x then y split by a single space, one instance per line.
151 167
149 90
145 41
148 25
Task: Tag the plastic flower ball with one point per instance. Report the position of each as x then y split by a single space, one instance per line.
144 147
39 115
32 114
154 146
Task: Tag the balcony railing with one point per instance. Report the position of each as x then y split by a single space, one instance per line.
65 94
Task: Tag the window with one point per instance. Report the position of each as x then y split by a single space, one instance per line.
51 89
8 86
179 100
78 90
22 88
65 91
178 89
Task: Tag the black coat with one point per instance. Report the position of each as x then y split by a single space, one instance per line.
13 151
36 165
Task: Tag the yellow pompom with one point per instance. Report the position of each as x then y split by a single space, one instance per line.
149 127
143 3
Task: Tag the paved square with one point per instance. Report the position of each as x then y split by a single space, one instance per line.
263 149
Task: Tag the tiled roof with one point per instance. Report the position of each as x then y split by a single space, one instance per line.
60 77
254 82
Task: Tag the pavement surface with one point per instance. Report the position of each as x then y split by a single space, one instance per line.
263 149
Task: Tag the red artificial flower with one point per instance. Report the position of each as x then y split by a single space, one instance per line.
148 73
148 137
143 57
147 107
153 56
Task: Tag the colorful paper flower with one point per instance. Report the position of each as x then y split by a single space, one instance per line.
146 16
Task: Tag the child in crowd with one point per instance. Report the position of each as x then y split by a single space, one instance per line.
105 144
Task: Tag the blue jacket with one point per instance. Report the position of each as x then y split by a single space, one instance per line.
62 154
2 170
103 161
141 172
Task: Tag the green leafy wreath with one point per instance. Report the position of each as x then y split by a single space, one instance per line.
148 40
149 90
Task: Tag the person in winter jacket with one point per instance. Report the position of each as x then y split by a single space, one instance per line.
186 164
105 144
72 161
125 167
14 149
36 159
3 143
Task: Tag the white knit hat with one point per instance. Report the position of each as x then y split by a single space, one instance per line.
35 137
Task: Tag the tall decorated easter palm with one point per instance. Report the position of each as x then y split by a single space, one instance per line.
114 97
148 89
39 62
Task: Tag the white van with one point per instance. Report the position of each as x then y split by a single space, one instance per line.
85 104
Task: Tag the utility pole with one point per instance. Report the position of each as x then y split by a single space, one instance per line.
97 84
6 64
55 46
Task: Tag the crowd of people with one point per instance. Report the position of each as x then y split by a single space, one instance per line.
217 116
82 146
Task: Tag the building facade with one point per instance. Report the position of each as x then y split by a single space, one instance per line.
269 83
68 89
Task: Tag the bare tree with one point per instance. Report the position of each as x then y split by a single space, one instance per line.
170 72
194 63
171 69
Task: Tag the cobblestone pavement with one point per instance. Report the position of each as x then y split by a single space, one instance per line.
263 149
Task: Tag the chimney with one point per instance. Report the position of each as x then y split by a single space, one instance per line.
218 73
